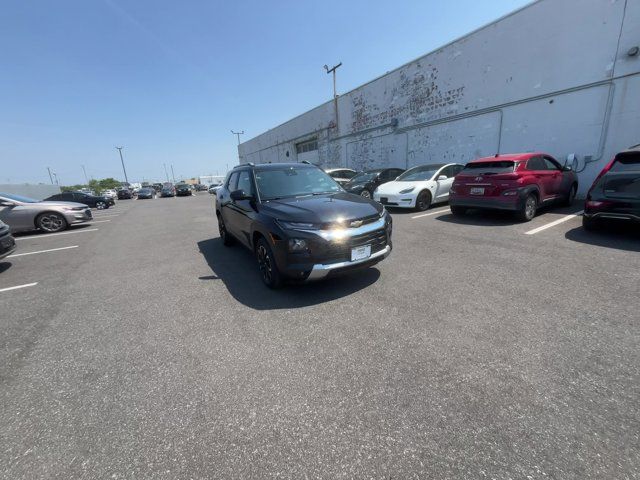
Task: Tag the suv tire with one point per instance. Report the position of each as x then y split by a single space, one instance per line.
267 265
423 200
529 208
227 239
458 211
590 224
571 196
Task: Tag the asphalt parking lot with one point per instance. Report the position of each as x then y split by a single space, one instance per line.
139 347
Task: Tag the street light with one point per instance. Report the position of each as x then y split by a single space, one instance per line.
335 95
123 169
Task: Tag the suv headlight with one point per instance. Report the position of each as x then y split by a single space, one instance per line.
383 212
298 225
407 190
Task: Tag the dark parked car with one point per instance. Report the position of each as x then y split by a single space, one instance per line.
520 182
365 183
157 187
341 175
183 190
300 223
200 187
615 194
125 194
7 242
168 191
147 192
93 201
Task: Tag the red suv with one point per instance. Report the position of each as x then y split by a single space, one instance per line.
520 182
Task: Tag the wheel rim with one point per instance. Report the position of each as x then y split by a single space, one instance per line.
422 200
264 263
365 194
51 223
530 207
100 205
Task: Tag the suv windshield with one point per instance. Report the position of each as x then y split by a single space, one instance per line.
423 172
489 167
18 198
284 182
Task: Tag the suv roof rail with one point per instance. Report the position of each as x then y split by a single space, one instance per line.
306 161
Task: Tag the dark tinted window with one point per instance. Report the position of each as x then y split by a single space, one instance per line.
244 182
422 172
550 164
457 169
628 162
233 182
536 163
498 166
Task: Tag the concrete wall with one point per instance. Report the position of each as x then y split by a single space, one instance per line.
553 76
37 192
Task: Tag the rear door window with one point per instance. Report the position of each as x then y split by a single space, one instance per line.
550 164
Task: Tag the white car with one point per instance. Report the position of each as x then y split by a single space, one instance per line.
213 189
419 187
341 175
110 194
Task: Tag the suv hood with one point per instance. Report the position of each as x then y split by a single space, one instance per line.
322 208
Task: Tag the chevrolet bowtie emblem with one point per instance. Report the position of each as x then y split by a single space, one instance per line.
478 179
356 223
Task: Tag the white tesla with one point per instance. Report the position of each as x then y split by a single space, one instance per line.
419 187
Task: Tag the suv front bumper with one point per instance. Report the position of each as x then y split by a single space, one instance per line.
320 271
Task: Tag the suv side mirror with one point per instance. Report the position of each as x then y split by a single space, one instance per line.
240 195
442 177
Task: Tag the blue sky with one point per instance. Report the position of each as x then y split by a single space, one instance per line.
169 80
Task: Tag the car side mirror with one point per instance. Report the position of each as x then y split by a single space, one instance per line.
442 177
7 204
240 195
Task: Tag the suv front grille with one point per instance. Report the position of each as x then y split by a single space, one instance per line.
341 252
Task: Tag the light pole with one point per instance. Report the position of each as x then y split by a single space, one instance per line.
122 161
85 175
50 177
335 95
57 181
238 135
173 175
165 171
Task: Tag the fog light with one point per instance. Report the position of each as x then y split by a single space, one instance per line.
297 245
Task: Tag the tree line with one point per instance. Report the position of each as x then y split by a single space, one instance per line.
95 185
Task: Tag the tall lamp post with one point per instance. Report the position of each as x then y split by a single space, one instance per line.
122 161
332 70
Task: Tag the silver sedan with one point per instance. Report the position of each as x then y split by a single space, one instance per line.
23 213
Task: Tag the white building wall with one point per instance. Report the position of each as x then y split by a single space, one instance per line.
553 76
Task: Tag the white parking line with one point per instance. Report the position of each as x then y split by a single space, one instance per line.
106 215
430 213
44 235
554 223
99 221
18 286
41 251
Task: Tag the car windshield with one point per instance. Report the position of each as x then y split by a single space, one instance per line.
365 176
503 166
18 198
285 182
423 172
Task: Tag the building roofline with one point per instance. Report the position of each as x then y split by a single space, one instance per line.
442 47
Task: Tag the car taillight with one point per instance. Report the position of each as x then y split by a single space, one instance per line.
604 170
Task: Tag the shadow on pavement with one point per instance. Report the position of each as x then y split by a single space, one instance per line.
621 236
4 266
501 218
237 268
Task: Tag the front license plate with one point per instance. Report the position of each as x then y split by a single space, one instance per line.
476 191
358 253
